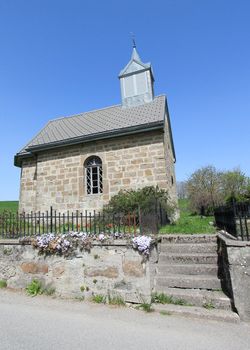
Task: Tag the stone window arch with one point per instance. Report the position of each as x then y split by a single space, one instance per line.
93 175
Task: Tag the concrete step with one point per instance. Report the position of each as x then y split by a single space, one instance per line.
197 312
186 281
182 238
188 269
199 297
188 248
193 258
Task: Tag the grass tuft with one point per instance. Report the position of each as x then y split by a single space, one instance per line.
165 313
34 288
116 300
161 298
49 291
209 305
145 307
99 299
3 284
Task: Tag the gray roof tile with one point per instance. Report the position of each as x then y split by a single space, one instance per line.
108 119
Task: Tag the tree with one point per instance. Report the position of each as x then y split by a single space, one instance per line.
235 185
208 188
182 189
203 189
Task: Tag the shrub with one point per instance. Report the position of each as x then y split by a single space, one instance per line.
145 199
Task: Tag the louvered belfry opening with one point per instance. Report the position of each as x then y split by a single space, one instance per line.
93 171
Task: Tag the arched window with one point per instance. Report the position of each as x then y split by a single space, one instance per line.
93 172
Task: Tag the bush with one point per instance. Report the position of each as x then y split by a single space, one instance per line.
144 199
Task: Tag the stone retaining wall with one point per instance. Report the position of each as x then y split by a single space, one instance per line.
115 269
235 267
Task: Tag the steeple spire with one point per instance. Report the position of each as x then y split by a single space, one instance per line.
135 56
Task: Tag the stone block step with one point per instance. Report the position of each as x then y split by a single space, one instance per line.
187 269
185 281
197 312
188 248
192 258
199 297
182 238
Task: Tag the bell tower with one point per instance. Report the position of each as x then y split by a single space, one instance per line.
137 82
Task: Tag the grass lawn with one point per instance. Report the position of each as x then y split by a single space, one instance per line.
9 206
189 223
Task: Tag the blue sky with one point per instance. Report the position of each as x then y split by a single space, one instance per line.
63 57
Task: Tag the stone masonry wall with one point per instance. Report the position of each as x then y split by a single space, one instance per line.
107 269
57 177
235 262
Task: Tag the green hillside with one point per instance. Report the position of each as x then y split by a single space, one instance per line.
9 206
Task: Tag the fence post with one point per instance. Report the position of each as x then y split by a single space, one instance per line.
139 213
51 219
235 217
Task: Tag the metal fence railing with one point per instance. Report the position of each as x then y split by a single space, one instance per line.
15 225
235 219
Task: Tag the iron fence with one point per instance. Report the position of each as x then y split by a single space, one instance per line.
16 225
235 219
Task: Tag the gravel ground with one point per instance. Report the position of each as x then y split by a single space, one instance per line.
46 323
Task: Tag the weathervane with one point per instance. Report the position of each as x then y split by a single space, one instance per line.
133 39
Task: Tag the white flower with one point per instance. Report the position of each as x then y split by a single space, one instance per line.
101 236
142 243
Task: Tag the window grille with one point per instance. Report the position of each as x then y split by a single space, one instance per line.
93 171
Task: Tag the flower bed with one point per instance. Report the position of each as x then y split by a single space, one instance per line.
66 244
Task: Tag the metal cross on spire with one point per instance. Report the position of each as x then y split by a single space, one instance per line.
133 39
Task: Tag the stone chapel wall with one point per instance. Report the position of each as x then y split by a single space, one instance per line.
58 177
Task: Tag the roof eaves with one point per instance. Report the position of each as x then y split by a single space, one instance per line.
144 65
170 131
88 138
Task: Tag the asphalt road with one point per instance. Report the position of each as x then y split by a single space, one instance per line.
44 323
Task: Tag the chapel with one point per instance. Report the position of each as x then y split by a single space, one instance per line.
79 162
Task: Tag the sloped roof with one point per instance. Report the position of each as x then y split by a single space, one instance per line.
98 124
